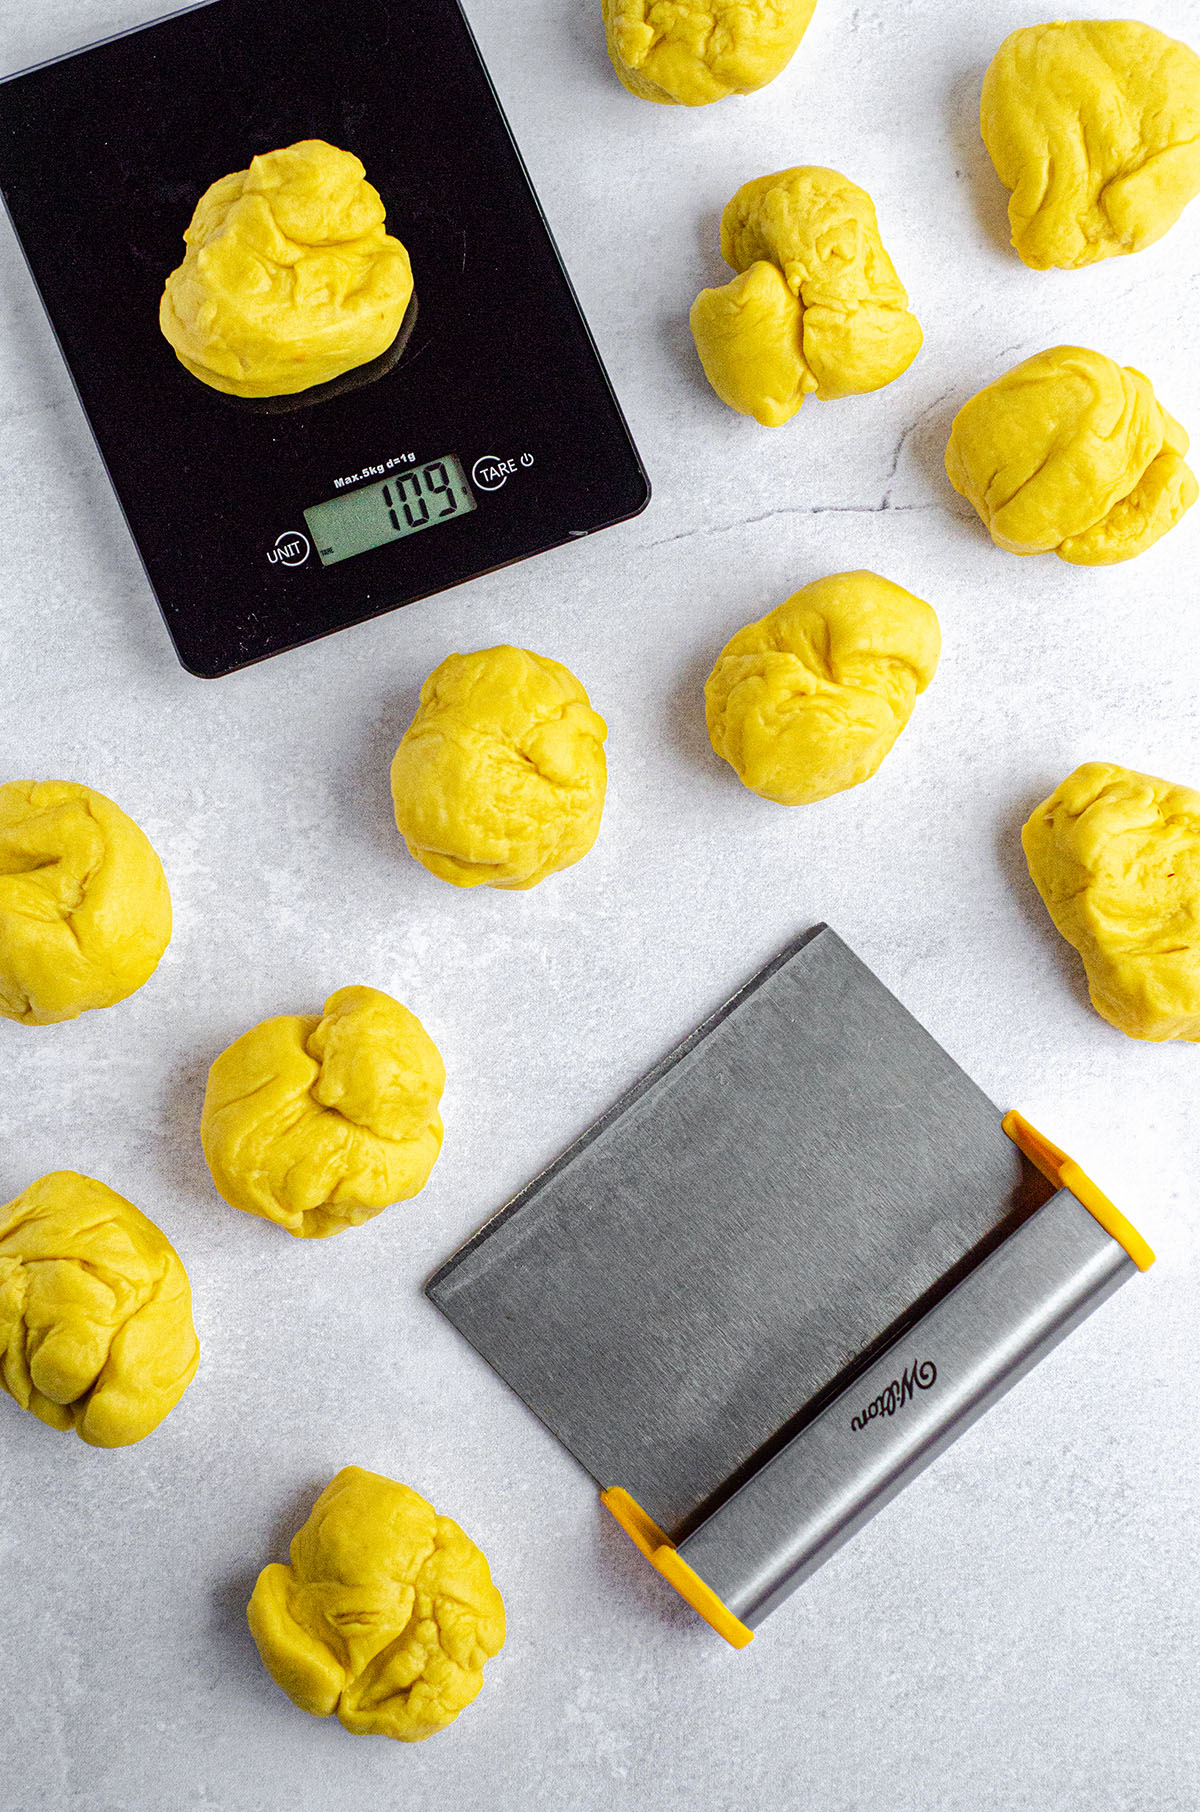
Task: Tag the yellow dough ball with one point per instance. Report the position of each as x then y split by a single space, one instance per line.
85 913
1115 856
1094 124
499 779
809 700
1070 453
289 278
320 1123
386 1615
691 52
96 1326
816 307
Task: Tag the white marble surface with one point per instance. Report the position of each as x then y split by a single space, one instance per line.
1020 1631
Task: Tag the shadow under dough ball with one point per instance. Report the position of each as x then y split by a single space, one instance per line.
386 1613
357 378
289 280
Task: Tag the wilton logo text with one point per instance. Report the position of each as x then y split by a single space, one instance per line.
919 1376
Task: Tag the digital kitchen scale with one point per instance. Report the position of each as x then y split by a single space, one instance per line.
493 435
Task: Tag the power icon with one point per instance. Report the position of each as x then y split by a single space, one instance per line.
490 471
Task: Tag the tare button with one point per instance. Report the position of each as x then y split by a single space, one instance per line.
490 471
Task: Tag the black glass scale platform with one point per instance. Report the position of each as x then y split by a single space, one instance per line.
488 433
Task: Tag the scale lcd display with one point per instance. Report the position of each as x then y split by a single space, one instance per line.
413 498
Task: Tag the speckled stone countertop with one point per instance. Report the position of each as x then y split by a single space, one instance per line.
1020 1631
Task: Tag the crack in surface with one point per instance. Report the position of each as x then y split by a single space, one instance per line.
886 506
905 437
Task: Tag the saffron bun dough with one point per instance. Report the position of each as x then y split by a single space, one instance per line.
1072 454
691 52
500 778
96 1330
816 307
1094 124
85 913
319 1122
289 279
385 1613
809 700
1115 856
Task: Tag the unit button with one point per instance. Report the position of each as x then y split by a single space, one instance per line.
292 548
490 471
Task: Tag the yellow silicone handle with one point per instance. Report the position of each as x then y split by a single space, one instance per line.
663 1555
1065 1173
